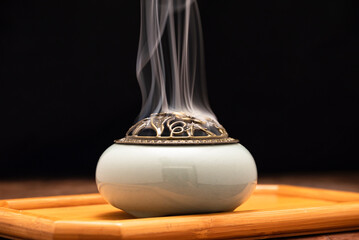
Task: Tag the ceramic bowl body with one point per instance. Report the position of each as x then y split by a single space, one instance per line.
155 180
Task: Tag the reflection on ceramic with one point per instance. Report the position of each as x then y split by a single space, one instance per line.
150 180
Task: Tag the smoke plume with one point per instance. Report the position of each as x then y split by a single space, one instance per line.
170 60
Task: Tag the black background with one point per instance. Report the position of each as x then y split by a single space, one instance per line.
281 78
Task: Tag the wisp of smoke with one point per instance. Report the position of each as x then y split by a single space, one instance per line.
170 60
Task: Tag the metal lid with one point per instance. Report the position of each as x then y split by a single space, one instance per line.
176 128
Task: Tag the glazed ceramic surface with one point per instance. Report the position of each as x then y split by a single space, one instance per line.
150 180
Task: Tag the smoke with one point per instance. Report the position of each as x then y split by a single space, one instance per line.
170 60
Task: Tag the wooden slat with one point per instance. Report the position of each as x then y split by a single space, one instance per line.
250 224
315 193
56 201
221 226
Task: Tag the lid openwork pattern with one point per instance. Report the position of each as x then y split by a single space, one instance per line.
176 129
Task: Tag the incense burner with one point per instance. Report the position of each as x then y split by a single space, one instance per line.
176 164
177 159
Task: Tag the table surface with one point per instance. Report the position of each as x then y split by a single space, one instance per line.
347 181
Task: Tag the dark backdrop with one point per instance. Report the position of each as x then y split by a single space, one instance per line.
281 78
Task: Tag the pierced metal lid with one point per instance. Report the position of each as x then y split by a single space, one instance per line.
176 129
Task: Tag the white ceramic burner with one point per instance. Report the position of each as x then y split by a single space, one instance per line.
150 180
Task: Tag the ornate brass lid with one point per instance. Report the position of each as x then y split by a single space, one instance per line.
176 129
